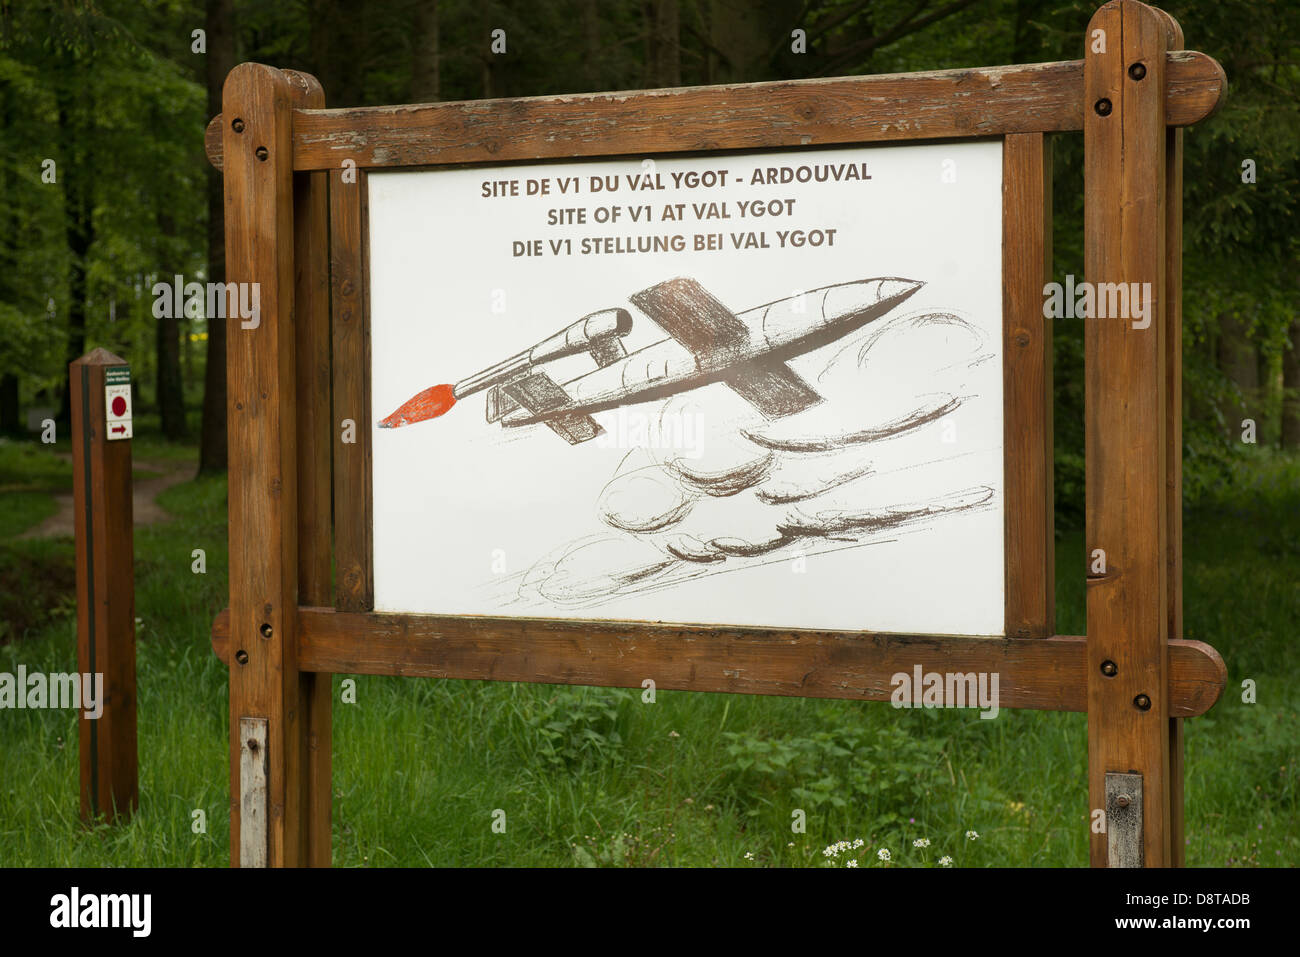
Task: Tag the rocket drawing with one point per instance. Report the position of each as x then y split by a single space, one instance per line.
706 343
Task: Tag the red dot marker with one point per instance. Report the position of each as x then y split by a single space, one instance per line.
119 406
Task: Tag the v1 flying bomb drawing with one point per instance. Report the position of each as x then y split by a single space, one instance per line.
706 343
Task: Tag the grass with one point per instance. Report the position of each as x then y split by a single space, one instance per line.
597 777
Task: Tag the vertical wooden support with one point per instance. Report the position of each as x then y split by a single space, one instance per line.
264 679
355 588
1174 439
312 352
1126 408
101 491
1030 550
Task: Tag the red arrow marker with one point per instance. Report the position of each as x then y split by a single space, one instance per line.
118 428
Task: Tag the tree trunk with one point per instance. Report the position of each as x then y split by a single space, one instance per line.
665 48
220 28
80 232
1237 361
426 66
10 419
591 45
1291 390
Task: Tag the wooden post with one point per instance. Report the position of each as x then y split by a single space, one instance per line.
101 488
311 296
265 684
1174 440
1126 424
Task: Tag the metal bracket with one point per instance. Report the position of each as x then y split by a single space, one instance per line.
1123 820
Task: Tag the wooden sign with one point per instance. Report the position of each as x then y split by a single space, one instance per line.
470 391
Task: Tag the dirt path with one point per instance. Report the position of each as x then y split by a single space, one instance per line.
144 506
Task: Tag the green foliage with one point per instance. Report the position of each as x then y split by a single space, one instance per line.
573 727
844 765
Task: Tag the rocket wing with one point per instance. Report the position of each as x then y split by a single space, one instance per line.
540 395
690 314
774 389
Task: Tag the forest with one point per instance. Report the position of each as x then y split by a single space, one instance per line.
107 191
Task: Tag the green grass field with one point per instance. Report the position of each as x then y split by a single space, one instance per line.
596 777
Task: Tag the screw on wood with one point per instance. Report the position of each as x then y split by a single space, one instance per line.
1137 71
1142 703
1109 669
1123 800
1102 107
266 630
262 153
237 125
241 656
252 744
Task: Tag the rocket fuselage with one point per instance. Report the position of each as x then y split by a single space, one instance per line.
777 331
578 337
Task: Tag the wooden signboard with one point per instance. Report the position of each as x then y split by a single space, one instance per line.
742 389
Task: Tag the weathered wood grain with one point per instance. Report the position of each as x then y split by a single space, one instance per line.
311 299
1174 440
263 455
253 784
353 524
1126 409
101 492
1045 674
1030 539
988 101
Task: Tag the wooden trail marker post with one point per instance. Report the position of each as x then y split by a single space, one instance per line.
101 484
292 391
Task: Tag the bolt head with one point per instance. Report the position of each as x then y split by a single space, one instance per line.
1123 800
237 125
1137 71
1103 107
1142 702
1109 669
241 656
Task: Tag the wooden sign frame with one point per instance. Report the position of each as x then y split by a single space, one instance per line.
296 223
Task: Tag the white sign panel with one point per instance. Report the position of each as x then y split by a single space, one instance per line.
759 389
117 403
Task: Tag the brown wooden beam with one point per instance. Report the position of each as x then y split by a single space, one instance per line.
350 331
988 101
311 306
1029 545
1044 674
265 688
1125 412
101 492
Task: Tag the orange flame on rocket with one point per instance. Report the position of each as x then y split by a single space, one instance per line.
429 404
